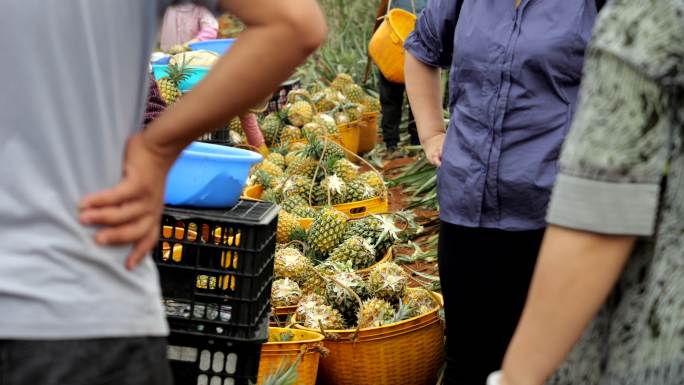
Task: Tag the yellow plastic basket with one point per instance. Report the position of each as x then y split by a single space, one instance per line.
368 137
410 352
349 136
305 342
386 47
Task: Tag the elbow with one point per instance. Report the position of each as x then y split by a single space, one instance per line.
309 27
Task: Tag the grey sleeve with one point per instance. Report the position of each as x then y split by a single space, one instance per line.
616 153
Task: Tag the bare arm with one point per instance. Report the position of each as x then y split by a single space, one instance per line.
575 273
423 86
279 36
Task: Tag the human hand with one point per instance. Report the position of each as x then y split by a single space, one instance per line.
433 148
130 212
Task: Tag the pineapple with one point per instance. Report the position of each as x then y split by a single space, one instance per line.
290 134
345 169
375 312
270 195
341 117
303 165
291 156
271 168
355 249
374 180
308 302
388 281
322 316
296 147
327 230
300 113
380 231
341 299
323 102
331 190
277 159
291 263
354 111
371 104
341 81
169 85
271 126
420 301
304 212
292 202
287 225
235 125
328 122
285 292
316 146
298 185
354 93
358 191
314 128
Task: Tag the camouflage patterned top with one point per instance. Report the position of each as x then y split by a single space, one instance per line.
622 172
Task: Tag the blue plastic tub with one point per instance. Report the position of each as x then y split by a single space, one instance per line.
209 176
197 74
220 46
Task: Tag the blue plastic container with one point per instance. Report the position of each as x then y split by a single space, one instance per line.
209 176
220 46
197 74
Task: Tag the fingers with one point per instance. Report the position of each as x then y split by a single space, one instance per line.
117 195
115 215
142 247
128 233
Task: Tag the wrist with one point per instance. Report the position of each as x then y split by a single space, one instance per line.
164 153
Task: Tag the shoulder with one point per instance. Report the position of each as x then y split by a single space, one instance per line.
647 34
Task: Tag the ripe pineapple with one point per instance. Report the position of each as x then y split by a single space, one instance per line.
355 249
331 190
235 125
328 122
345 169
270 127
270 195
277 159
313 128
341 117
287 225
314 149
354 93
299 94
341 81
420 301
341 299
374 180
371 104
168 85
303 165
300 113
327 230
291 263
375 312
323 102
285 292
290 134
380 231
359 191
271 168
354 111
298 185
322 316
308 302
388 281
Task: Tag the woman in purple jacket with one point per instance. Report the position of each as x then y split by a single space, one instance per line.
515 71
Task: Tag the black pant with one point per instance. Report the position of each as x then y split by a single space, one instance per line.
115 361
392 101
485 275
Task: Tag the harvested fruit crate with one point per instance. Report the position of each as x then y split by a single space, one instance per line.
210 361
216 269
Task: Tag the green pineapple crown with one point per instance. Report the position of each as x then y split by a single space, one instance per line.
178 73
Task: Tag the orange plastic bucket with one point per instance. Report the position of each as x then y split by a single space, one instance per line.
386 47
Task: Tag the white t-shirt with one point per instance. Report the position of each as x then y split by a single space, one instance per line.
73 89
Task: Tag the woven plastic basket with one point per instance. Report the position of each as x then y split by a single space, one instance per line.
410 352
305 342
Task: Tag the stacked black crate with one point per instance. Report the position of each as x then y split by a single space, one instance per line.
216 269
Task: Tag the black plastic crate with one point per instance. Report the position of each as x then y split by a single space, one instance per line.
279 99
219 136
216 269
212 361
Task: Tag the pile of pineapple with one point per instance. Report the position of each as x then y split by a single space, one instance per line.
338 298
317 111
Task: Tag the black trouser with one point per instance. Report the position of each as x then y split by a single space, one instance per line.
485 275
392 101
114 361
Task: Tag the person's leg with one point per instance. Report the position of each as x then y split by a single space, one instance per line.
391 101
485 275
113 361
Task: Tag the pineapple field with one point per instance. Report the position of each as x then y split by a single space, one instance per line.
355 239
